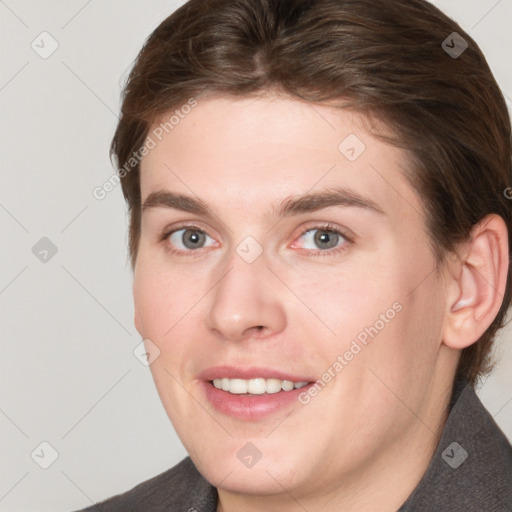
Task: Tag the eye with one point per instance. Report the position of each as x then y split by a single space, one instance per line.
189 239
322 238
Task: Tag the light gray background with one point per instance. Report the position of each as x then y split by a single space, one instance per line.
68 374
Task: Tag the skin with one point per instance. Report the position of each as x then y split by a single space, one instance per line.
364 442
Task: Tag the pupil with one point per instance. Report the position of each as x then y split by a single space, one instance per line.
326 239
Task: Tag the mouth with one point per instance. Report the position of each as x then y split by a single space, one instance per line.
257 386
252 394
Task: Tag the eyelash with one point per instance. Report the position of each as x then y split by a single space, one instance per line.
309 252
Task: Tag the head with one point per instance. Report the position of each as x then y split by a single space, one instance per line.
337 178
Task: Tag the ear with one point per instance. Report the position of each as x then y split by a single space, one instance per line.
478 280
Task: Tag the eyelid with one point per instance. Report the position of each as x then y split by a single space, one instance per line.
177 226
346 233
180 242
170 230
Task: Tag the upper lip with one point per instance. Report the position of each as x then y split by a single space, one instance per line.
250 372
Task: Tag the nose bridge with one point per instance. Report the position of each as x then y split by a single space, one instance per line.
242 302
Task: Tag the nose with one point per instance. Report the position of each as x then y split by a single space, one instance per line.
246 302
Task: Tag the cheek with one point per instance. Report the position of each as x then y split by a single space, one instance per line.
350 298
391 303
159 297
148 300
169 308
402 357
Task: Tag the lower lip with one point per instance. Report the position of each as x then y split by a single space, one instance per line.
251 407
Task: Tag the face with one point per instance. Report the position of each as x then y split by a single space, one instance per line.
285 275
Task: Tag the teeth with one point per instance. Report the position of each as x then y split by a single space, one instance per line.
273 385
287 385
256 386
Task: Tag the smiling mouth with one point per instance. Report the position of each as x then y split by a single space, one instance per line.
257 386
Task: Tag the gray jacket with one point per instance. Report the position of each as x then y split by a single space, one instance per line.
471 471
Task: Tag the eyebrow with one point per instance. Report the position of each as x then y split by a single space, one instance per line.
291 206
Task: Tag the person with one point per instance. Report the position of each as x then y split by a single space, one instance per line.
320 237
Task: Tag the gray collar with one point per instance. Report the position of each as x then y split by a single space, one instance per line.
471 470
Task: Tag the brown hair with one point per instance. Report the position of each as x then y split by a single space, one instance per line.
386 59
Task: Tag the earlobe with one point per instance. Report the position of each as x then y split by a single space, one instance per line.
479 280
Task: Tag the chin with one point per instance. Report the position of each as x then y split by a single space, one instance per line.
258 480
249 470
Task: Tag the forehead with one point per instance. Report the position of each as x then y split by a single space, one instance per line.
249 153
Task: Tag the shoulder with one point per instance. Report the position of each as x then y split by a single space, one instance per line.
181 487
472 467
